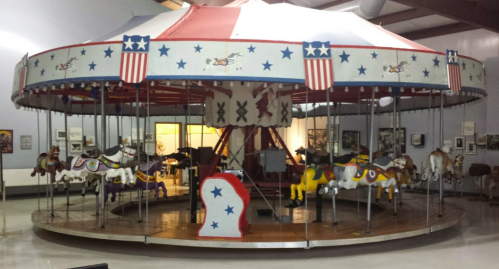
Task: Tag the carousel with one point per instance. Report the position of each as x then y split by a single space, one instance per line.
238 71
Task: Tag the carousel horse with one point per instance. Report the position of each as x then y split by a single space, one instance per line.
353 175
315 158
438 163
48 162
363 150
393 169
108 164
494 177
479 170
144 179
310 179
457 165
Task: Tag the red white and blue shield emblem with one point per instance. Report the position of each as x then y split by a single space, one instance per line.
133 68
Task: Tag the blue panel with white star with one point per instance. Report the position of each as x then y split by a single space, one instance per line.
316 49
135 43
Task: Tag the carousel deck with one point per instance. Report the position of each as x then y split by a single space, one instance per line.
168 223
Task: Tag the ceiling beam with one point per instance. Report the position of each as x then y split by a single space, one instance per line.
470 12
438 31
400 16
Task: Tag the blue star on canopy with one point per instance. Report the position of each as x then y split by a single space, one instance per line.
413 58
52 56
217 192
426 72
251 49
108 52
344 57
36 62
362 70
266 66
181 64
42 73
214 225
436 61
163 51
375 56
198 48
286 53
92 66
229 210
83 52
464 66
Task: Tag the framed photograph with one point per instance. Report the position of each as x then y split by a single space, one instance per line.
468 128
480 139
149 137
470 148
75 147
493 142
126 140
417 139
26 141
318 139
7 141
89 141
60 135
459 142
350 138
75 134
385 139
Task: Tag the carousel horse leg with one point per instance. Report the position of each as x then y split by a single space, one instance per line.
293 194
300 199
162 185
390 193
378 195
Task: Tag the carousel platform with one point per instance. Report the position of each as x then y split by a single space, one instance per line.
167 221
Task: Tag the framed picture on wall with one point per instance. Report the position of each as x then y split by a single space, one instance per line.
385 139
317 139
493 142
480 139
417 139
7 141
60 135
75 134
25 141
470 148
75 147
459 142
149 137
350 138
89 141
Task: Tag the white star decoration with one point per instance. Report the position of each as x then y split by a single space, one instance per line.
310 50
142 44
129 44
324 50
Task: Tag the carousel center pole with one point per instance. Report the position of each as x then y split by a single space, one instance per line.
441 144
96 153
66 151
137 115
371 146
103 139
331 149
50 144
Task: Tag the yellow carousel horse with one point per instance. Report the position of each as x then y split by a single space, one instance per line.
309 181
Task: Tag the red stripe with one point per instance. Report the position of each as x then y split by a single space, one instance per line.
132 68
320 75
121 65
144 75
307 82
127 65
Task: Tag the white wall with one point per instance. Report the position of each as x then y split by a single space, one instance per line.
33 26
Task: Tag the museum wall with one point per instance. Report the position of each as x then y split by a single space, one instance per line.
34 26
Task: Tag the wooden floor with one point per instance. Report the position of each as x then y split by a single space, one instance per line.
168 223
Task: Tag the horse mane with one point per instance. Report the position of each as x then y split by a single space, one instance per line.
112 151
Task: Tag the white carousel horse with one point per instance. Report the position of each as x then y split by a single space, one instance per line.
108 164
353 175
438 163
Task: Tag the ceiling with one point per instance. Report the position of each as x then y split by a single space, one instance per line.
412 19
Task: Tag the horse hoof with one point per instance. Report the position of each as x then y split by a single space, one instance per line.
113 199
376 200
323 190
389 201
166 197
299 202
155 197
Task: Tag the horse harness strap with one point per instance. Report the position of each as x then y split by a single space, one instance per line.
146 178
109 163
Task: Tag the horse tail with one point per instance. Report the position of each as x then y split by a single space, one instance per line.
69 161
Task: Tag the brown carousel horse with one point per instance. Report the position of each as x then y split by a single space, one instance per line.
48 162
363 150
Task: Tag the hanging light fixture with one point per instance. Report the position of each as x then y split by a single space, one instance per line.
107 84
402 89
389 89
296 86
168 83
215 83
72 85
265 85
200 83
331 89
232 83
120 84
346 89
94 84
361 89
413 90
62 86
280 85
184 83
247 84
